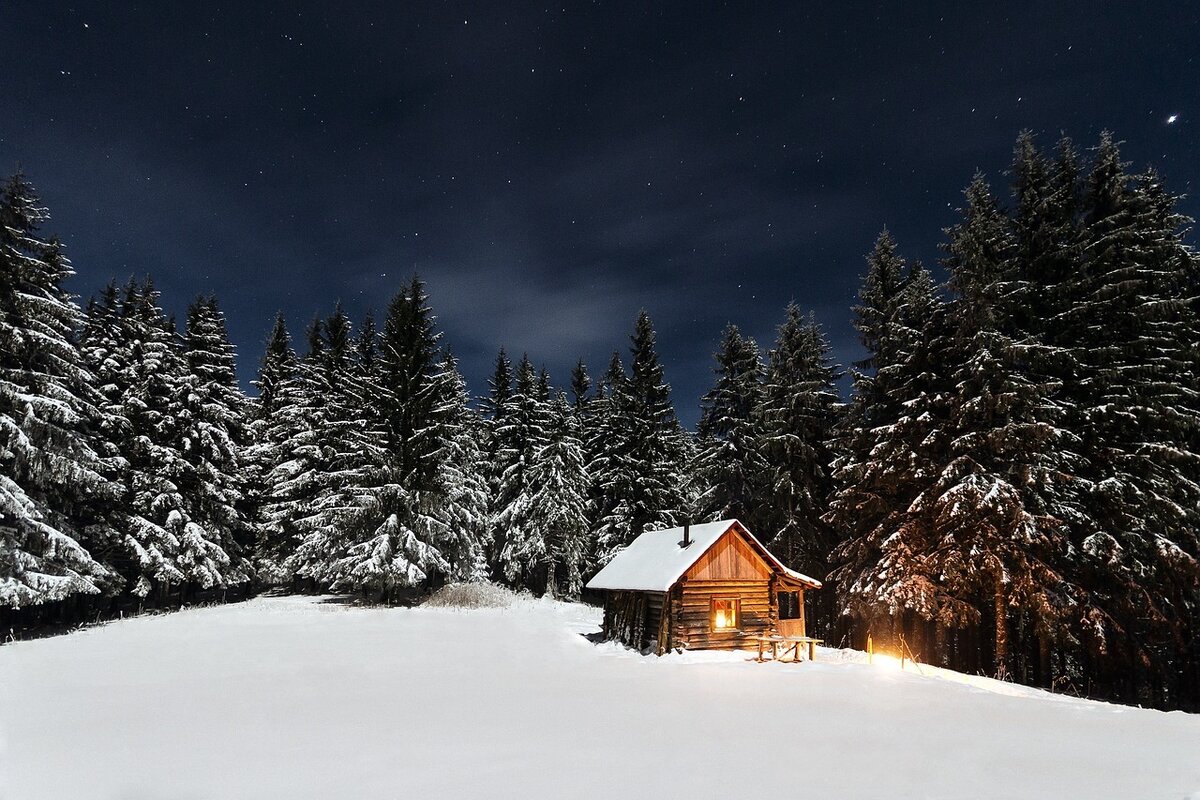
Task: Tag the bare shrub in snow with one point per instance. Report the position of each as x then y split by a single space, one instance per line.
472 595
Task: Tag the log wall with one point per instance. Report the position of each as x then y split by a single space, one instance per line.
635 619
691 620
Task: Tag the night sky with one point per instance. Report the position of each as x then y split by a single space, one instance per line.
551 170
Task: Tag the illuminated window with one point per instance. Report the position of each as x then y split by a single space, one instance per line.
726 613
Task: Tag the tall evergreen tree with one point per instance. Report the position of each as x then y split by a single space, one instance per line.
996 534
278 364
273 423
213 436
893 442
731 467
558 504
521 435
396 530
643 477
54 486
798 415
408 351
581 385
465 503
1138 422
292 458
175 548
500 388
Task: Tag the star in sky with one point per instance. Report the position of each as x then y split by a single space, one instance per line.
1171 119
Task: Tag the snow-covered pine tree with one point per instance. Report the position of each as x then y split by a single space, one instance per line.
500 387
1138 415
407 364
1048 247
273 419
102 351
642 475
581 385
558 504
53 485
857 507
213 435
292 459
521 434
172 553
996 516
879 299
798 416
730 467
464 501
278 364
399 538
605 463
893 438
354 471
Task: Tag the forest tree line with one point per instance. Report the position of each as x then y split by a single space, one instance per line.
1013 486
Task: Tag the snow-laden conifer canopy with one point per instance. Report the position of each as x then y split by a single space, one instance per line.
654 561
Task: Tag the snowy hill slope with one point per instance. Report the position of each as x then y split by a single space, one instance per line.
295 698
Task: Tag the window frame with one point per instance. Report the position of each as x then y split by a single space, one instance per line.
735 604
799 603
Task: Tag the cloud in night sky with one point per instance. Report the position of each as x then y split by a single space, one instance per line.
549 172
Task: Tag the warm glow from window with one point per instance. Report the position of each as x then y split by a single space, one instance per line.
724 614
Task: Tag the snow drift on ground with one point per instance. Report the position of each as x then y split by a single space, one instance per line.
303 698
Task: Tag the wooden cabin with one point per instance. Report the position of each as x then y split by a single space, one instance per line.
710 586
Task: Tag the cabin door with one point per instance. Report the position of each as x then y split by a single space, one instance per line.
791 614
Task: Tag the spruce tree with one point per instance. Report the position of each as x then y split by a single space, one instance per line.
730 467
606 461
520 435
996 514
500 387
464 502
292 458
272 426
798 416
643 476
894 436
581 385
407 363
396 531
278 364
213 436
354 471
1138 424
173 551
54 486
558 504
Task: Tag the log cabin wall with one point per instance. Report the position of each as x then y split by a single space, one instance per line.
691 625
635 619
730 569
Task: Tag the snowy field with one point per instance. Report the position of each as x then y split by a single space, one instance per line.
295 698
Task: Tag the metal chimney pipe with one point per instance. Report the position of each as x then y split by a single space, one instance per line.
687 534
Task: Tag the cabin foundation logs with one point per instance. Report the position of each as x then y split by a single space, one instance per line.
625 617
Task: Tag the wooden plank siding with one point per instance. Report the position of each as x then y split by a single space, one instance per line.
730 558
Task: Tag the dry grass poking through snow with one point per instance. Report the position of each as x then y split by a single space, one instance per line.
474 595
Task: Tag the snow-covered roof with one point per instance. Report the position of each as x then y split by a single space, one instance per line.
654 561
